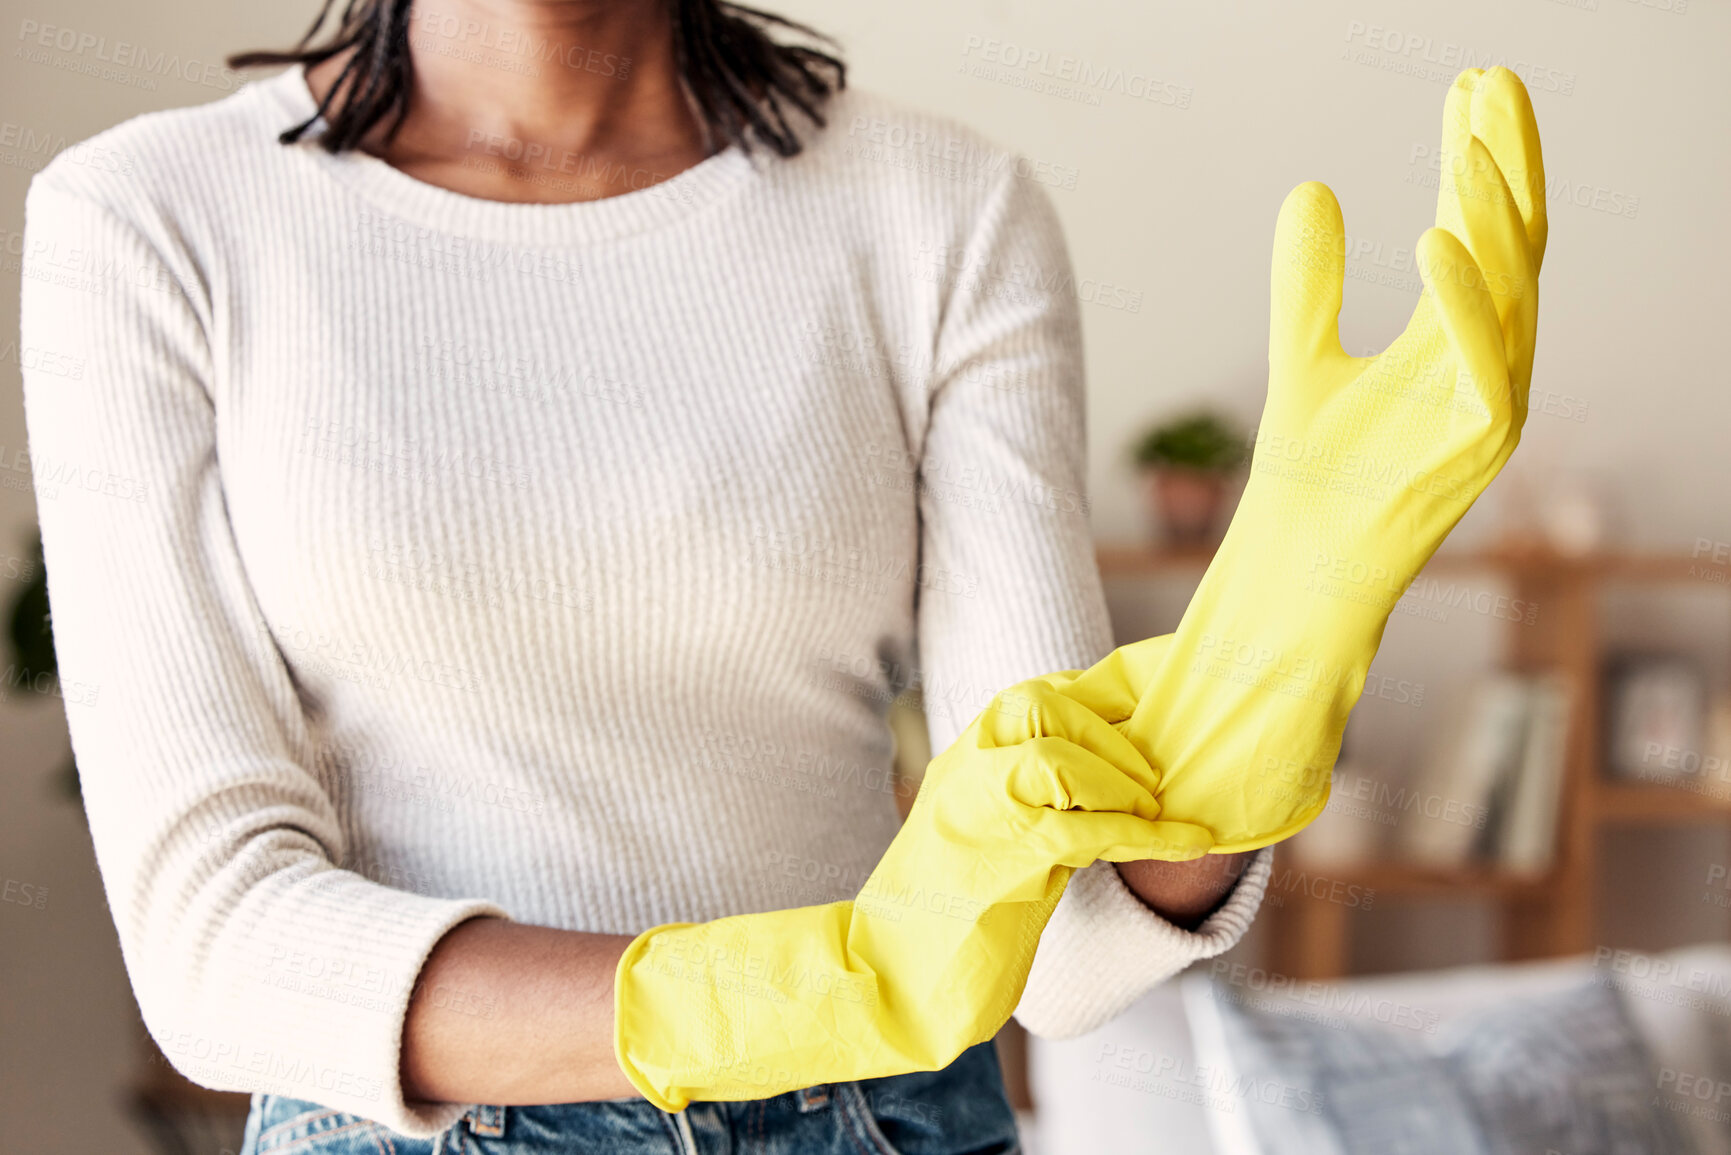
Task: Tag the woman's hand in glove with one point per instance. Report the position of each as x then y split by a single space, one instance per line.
932 955
1362 466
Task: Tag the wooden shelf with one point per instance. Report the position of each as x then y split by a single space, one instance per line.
1637 804
1407 878
1138 561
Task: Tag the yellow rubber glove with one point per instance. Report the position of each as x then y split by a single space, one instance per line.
931 957
1362 466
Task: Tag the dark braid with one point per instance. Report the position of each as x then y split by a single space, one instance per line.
741 82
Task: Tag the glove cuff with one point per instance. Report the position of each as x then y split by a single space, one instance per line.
626 1023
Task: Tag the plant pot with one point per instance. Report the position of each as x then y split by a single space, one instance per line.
1187 503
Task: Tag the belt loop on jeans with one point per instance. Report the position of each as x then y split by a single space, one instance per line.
687 1140
813 1098
486 1120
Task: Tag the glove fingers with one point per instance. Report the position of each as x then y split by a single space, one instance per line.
1057 773
1502 117
1081 837
1492 196
1483 212
1167 841
1469 319
1036 711
1112 687
1497 238
1457 134
1307 279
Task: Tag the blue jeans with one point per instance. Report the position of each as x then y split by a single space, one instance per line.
961 1110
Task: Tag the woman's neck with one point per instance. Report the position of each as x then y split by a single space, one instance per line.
552 101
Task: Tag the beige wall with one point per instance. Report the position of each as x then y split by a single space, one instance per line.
1634 104
1173 203
68 1030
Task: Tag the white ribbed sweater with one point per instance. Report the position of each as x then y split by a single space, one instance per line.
420 556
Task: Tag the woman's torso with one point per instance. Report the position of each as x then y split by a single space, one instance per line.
589 532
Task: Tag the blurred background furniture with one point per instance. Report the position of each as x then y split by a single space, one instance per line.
1155 1080
178 1117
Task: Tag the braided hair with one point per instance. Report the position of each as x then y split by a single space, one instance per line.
741 82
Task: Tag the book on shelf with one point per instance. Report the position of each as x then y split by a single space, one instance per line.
1349 830
1490 795
1469 773
1526 830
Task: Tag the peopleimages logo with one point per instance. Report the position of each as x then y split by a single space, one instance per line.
32 149
90 49
519 42
1002 59
1330 999
1395 50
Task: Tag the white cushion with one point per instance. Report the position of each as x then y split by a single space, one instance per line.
1150 1079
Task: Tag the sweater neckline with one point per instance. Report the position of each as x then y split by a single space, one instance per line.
446 211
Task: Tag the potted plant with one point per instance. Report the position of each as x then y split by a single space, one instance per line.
1187 466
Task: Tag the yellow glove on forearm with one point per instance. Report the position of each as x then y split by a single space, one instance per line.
931 957
1362 466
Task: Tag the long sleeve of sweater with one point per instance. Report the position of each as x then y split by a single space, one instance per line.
257 962
1004 459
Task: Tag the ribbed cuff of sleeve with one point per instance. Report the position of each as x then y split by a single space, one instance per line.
314 1009
1103 949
